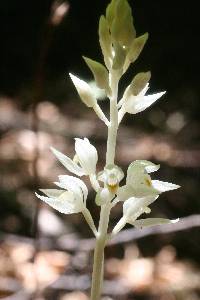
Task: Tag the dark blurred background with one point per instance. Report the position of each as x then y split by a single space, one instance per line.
43 255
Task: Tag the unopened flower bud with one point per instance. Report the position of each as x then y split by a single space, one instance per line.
84 91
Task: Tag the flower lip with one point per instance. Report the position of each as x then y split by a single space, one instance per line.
148 182
111 176
113 188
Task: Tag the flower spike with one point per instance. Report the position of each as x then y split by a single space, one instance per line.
120 47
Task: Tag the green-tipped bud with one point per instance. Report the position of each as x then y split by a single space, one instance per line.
105 41
119 57
100 73
135 50
137 47
84 91
122 29
139 82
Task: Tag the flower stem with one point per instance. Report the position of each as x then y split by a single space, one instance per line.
112 129
102 235
98 266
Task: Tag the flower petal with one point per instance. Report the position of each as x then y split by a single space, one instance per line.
87 155
74 185
68 163
111 175
52 193
141 103
124 192
144 191
145 89
65 203
152 222
139 180
148 165
145 164
163 186
103 196
127 191
133 207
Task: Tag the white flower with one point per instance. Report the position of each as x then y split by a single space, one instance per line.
139 183
71 199
111 176
133 208
134 104
85 159
139 192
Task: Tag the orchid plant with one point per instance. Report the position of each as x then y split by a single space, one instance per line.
120 47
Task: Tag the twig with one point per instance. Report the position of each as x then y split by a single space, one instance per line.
71 243
133 234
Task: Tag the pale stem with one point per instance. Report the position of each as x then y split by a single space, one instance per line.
102 235
112 129
98 265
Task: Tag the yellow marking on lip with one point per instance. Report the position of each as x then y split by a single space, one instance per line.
148 182
113 187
